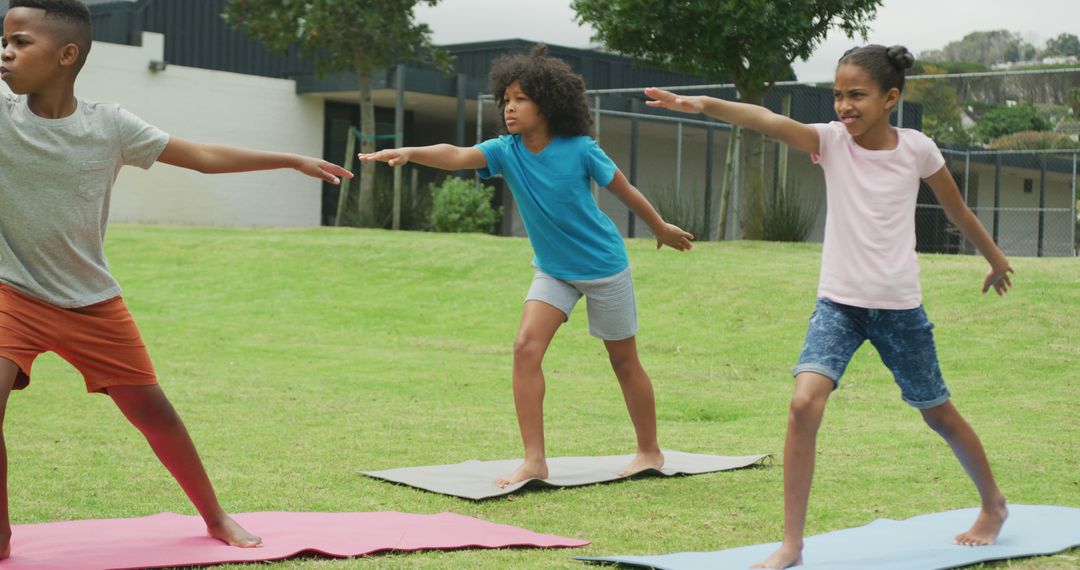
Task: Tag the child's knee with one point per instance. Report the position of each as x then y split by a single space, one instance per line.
807 406
623 364
940 420
527 351
148 410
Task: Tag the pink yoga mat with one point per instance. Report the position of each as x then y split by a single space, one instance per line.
169 539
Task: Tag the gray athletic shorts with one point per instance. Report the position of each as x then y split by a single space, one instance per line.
611 305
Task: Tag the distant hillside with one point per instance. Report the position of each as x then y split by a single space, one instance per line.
999 49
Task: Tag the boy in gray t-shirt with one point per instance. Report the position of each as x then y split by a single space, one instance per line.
59 160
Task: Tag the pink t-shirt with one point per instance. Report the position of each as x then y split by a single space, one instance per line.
868 259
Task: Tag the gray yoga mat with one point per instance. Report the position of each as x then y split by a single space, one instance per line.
919 543
476 479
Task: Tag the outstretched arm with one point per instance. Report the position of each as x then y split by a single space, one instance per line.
754 117
666 234
219 159
948 195
441 156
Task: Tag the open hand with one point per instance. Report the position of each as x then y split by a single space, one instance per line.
674 102
674 237
323 170
391 156
999 280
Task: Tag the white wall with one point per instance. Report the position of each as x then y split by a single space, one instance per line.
1018 224
214 107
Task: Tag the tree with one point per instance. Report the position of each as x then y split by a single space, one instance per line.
752 42
359 36
1006 120
1065 44
1072 99
942 114
987 48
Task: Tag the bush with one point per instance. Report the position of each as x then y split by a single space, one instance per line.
460 206
415 206
786 217
1072 98
1033 140
678 208
1002 121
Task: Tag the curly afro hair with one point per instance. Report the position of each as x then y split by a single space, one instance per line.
548 81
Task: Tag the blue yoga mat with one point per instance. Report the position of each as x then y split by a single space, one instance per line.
919 543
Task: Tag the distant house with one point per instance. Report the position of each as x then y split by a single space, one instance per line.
1025 201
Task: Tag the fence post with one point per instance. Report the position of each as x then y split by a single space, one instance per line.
900 112
1042 202
678 160
967 182
479 128
967 176
459 126
707 222
1072 207
997 194
736 186
635 109
782 160
399 141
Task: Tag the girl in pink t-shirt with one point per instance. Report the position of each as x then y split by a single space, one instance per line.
869 285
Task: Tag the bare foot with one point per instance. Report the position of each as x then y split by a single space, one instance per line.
986 528
784 557
528 470
231 533
643 461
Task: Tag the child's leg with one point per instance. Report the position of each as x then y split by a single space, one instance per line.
8 371
147 408
638 393
539 322
807 408
947 422
905 340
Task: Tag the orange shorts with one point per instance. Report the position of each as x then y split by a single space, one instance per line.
101 341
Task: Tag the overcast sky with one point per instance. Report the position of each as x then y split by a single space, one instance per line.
918 24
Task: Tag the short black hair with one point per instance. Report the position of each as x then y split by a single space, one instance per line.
885 65
551 83
73 14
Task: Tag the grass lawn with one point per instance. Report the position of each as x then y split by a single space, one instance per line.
299 358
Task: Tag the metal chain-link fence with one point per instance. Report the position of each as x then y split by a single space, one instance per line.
712 179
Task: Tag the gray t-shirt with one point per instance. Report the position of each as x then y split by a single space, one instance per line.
56 177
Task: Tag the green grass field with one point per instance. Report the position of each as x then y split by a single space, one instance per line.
300 358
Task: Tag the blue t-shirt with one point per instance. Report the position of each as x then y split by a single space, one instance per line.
571 237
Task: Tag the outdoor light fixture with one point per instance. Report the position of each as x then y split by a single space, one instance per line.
157 65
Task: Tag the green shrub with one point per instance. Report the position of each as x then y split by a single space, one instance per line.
678 208
1004 120
415 206
787 218
1033 140
1072 98
460 206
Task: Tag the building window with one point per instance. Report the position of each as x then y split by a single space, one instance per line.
1029 185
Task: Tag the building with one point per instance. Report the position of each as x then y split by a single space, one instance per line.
178 65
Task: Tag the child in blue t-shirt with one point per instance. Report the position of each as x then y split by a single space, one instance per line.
547 160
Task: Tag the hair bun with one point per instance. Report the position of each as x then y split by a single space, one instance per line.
900 57
539 50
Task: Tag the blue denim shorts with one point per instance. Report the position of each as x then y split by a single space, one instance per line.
903 338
